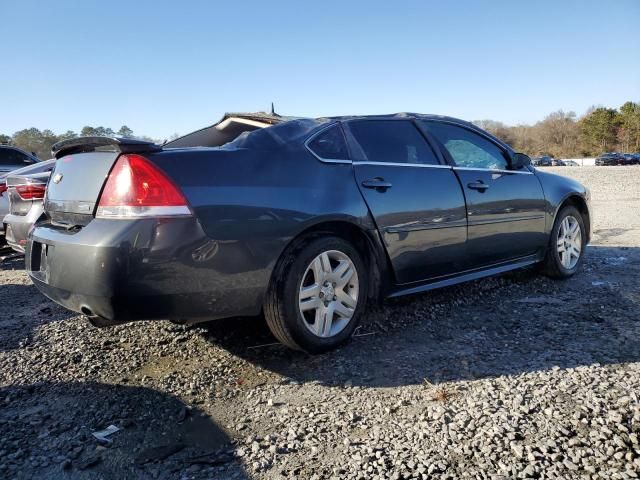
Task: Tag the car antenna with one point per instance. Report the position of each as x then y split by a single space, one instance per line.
273 111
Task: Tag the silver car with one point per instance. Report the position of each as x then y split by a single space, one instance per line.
25 188
4 206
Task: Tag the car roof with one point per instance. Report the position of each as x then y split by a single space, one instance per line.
421 116
245 127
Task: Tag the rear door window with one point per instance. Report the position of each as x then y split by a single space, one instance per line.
330 144
467 149
396 141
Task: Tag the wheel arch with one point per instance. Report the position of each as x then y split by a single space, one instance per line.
579 202
366 241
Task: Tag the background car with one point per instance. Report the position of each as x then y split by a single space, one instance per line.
609 159
12 158
557 163
630 159
570 163
309 221
544 161
25 190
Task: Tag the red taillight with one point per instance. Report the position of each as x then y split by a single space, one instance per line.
31 192
3 188
137 188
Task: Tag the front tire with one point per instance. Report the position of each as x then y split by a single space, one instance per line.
567 244
317 294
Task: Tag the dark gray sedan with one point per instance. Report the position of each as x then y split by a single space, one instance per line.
306 220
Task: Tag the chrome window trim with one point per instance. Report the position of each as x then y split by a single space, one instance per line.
495 170
325 160
397 164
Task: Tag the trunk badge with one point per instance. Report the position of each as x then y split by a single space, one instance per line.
57 178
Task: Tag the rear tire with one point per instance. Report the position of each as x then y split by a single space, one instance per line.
317 294
567 243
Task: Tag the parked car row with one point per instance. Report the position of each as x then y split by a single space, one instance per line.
615 158
611 158
546 161
306 220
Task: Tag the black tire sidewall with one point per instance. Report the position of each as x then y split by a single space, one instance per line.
293 319
566 211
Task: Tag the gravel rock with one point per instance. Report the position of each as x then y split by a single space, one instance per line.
517 376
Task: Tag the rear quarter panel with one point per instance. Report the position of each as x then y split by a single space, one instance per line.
252 203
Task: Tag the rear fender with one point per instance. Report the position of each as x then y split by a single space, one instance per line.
253 203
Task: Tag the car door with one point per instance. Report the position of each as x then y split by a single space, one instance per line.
505 208
415 198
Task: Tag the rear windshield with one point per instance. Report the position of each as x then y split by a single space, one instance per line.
275 136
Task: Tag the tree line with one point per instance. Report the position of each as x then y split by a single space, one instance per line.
564 135
560 134
41 141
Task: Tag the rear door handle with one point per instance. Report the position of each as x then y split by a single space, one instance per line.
479 185
377 183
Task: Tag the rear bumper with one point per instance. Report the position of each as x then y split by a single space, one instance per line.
124 270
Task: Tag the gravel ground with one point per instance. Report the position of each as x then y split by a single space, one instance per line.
510 377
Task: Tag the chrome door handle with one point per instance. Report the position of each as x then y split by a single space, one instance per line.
479 185
377 183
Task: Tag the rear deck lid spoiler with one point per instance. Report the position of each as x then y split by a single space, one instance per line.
89 144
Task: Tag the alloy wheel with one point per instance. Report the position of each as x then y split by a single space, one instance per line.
328 293
569 242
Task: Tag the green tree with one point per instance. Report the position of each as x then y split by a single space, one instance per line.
599 130
89 131
629 131
125 132
34 140
67 135
4 139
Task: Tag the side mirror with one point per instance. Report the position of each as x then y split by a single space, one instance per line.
519 161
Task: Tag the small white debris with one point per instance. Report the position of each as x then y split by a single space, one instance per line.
102 435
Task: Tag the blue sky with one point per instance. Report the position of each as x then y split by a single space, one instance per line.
164 67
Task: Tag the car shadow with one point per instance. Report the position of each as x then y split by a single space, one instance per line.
24 309
513 324
49 430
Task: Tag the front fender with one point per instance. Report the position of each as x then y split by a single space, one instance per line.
557 191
